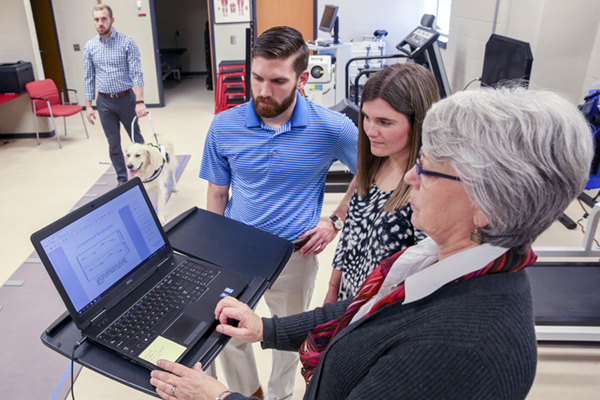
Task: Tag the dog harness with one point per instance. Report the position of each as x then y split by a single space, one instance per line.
163 152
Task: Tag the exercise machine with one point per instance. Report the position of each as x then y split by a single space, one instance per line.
419 46
566 299
424 50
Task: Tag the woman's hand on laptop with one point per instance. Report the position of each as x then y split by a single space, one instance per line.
183 383
250 325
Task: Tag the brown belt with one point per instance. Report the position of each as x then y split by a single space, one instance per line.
298 245
117 95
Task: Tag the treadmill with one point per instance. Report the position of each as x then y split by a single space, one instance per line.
566 295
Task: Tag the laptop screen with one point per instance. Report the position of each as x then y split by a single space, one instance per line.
104 247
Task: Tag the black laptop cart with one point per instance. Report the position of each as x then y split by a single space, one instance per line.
255 254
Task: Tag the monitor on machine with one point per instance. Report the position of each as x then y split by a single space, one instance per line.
330 21
506 60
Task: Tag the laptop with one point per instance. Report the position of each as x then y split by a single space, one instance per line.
122 283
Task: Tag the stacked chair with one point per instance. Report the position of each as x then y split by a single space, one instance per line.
231 85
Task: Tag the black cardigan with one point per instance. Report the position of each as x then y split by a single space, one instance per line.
470 340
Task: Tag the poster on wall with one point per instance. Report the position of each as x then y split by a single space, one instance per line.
232 11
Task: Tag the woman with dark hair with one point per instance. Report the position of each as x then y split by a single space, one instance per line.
393 106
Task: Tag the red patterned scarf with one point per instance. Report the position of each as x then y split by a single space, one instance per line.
317 341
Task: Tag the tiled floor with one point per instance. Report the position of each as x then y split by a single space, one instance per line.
41 183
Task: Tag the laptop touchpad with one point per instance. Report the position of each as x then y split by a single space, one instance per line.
185 329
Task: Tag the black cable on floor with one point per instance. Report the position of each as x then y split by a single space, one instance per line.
83 339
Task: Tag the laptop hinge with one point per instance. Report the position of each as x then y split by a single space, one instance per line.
164 261
97 317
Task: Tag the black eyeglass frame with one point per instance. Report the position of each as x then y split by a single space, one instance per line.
421 171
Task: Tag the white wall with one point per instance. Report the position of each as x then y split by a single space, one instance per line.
18 40
75 25
563 38
224 49
592 78
562 45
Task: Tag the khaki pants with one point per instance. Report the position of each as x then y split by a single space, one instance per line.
290 294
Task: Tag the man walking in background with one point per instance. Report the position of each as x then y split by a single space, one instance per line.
112 65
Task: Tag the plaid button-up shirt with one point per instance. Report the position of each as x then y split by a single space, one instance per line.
113 66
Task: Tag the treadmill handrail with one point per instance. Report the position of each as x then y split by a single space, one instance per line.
357 79
347 68
592 226
586 249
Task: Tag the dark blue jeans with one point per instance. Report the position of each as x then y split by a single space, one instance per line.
112 112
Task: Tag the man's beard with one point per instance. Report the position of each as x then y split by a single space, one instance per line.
274 108
105 31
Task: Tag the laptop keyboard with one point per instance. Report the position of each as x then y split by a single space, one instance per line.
145 320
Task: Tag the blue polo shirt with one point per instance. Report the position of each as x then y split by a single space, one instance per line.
277 177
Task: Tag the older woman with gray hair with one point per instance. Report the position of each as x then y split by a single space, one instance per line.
450 317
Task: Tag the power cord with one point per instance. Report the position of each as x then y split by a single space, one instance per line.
83 339
474 80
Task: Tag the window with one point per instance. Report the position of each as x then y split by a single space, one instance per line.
441 9
442 20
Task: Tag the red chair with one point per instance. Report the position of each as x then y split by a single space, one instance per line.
45 103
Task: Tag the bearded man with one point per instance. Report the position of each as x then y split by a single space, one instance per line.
274 153
112 64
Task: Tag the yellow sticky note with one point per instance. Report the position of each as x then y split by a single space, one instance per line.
162 348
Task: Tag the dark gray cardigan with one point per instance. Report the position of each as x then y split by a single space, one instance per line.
470 340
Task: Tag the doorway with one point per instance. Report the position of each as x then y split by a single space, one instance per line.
180 31
43 18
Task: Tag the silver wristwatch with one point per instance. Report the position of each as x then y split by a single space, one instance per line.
338 223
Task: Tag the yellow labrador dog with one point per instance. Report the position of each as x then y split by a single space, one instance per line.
155 164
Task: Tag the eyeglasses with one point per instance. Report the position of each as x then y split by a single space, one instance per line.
421 171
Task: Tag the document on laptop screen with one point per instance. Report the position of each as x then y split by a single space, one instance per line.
103 247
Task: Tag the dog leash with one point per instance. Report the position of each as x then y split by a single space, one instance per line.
152 125
161 148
